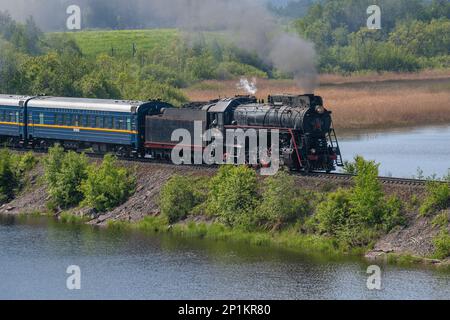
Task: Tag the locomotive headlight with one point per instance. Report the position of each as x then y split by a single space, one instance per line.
313 151
320 109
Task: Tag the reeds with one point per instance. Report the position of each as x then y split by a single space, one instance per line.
360 102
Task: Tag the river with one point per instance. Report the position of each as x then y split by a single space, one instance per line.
35 253
401 152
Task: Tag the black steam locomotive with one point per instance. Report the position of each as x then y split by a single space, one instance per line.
306 138
297 125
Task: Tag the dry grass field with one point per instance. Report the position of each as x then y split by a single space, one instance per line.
359 102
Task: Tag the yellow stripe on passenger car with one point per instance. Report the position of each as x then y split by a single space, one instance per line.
82 128
12 123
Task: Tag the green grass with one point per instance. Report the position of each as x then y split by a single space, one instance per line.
95 42
441 220
405 260
288 239
69 218
442 244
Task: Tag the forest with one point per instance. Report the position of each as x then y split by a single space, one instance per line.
415 35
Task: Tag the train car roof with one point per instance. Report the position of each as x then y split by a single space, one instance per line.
87 104
223 104
12 100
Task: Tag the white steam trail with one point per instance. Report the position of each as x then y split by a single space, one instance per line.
249 87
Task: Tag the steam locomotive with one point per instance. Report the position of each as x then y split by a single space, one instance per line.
305 138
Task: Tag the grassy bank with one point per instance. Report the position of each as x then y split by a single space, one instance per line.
287 239
361 101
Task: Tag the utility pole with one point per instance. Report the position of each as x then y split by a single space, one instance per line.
134 50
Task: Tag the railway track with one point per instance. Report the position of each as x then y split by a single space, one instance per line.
319 175
383 180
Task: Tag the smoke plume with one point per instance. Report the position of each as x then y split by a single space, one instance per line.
248 23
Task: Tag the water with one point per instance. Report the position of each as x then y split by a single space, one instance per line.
401 152
35 253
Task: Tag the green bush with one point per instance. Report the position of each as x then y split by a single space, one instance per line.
53 163
26 162
356 235
367 197
358 215
333 213
233 195
281 201
9 179
232 69
107 185
12 170
442 245
64 173
66 192
438 198
392 213
336 217
178 198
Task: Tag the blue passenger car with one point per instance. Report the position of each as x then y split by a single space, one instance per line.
103 125
12 113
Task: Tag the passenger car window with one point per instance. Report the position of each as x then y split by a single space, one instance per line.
107 122
98 122
83 121
41 118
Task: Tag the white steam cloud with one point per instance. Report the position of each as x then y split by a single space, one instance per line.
247 86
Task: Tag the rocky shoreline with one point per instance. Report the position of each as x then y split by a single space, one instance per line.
415 239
